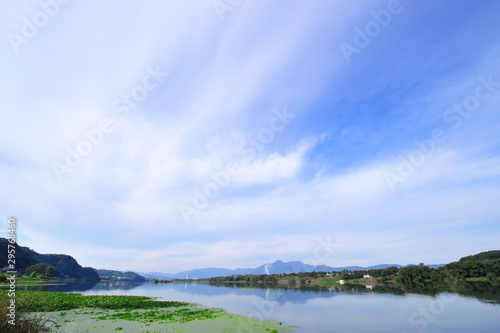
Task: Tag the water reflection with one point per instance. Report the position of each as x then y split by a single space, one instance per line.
79 286
338 308
112 285
73 286
347 308
483 291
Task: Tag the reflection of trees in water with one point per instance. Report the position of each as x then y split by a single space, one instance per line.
423 288
61 287
347 288
83 285
483 291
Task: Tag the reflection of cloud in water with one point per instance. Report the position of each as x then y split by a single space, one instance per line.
275 295
110 285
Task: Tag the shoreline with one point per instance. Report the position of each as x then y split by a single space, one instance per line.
74 312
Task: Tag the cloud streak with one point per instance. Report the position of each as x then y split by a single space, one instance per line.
319 172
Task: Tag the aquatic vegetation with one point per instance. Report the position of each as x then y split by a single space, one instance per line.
54 310
163 316
40 301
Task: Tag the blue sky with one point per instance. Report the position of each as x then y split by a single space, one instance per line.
388 152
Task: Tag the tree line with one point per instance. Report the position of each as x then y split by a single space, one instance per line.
35 271
482 265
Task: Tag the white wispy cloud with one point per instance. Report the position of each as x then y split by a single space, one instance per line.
225 81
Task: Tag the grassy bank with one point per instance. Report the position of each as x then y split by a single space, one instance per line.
30 282
71 312
27 280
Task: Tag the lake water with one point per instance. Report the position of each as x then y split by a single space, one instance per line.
352 309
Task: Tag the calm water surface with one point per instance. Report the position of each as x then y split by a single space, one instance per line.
354 309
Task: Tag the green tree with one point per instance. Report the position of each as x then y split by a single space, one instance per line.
393 270
344 275
50 271
414 274
39 268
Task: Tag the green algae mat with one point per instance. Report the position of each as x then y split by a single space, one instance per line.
71 312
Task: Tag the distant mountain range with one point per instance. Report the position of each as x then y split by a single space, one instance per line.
67 266
277 267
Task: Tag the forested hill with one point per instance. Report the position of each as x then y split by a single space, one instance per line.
65 265
483 256
106 274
